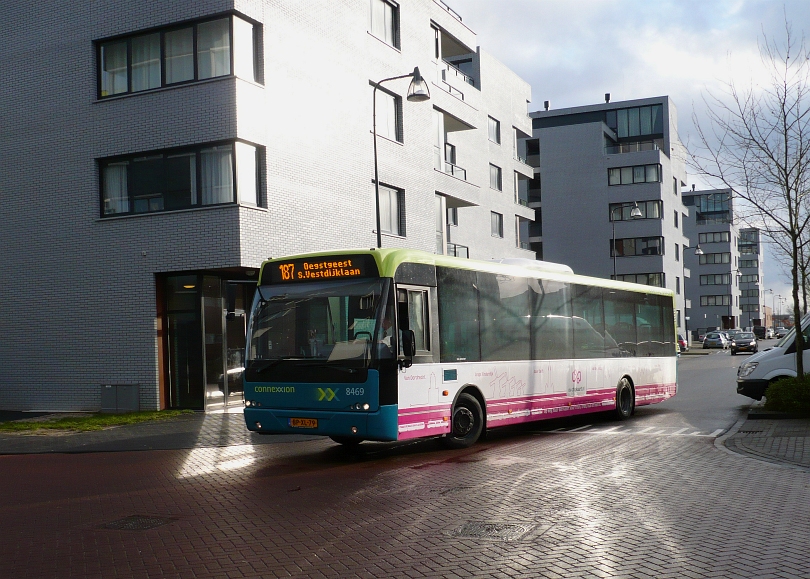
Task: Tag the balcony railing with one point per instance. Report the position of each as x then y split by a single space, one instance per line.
454 170
524 245
449 10
458 250
654 145
453 70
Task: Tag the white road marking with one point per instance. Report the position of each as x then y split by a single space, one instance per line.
647 431
580 428
717 432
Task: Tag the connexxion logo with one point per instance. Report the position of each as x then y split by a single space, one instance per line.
327 394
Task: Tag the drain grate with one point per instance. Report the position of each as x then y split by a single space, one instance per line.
137 523
497 531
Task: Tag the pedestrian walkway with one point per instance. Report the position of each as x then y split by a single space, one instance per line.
765 436
772 437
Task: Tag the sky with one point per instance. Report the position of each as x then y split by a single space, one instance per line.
572 52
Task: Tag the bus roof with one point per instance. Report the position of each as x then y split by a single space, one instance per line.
389 259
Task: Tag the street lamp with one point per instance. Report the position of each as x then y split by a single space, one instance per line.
635 213
698 251
417 92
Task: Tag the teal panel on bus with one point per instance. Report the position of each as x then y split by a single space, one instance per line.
380 425
332 396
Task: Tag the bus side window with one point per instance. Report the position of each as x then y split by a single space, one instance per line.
412 313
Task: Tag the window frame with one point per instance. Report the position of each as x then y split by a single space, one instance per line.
498 177
627 174
399 136
163 31
197 194
497 127
496 218
395 22
400 194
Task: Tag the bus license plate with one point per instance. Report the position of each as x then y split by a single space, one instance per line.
304 422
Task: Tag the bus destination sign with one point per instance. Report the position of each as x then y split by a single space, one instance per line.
331 267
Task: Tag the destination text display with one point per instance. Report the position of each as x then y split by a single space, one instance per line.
321 269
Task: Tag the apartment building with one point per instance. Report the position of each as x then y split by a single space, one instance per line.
606 191
752 288
714 286
153 154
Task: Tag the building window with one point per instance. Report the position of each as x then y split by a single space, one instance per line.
384 21
749 293
388 111
676 220
678 285
180 179
710 207
166 57
649 210
715 279
636 121
753 278
494 127
750 307
522 232
452 216
496 224
677 252
392 211
749 263
653 279
715 300
638 246
714 237
709 258
637 174
495 178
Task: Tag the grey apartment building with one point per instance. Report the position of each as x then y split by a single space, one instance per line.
154 153
721 272
606 191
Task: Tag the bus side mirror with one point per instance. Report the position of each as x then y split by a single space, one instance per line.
408 348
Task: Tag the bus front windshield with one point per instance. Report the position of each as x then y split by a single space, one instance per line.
345 323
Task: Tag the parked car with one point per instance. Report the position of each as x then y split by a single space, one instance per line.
781 332
715 340
684 347
760 332
744 342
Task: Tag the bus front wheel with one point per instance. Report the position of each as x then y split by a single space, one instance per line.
467 423
625 400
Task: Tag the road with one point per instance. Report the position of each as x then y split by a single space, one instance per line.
651 497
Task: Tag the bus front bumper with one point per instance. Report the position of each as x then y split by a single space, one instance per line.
380 425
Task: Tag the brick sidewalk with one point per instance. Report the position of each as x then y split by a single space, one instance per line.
777 440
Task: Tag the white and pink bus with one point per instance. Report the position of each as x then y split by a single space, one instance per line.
393 344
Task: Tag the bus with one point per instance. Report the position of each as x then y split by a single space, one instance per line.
396 344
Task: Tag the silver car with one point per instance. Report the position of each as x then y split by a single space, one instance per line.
715 340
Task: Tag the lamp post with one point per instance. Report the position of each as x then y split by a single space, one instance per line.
635 213
698 252
773 299
417 92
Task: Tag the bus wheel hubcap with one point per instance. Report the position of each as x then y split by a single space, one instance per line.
463 421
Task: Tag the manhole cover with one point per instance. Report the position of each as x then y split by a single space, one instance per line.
137 523
497 531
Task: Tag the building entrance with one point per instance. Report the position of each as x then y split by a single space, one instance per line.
205 317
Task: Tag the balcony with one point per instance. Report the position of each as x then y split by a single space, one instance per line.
636 147
457 250
455 72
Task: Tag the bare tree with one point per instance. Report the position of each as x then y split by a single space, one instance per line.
758 145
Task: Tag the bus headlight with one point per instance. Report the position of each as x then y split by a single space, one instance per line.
746 369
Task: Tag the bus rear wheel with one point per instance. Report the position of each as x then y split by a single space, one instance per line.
625 400
467 423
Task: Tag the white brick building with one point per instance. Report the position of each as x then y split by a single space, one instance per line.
154 151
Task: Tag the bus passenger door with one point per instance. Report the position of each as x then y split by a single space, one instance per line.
415 312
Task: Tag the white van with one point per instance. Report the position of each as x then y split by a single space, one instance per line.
771 364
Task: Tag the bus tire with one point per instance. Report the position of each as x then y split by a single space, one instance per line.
467 423
346 440
625 400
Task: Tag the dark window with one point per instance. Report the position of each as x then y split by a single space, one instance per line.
183 179
496 224
589 324
552 335
504 310
164 57
384 21
638 246
458 315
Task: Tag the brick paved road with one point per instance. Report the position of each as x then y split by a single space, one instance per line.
548 505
